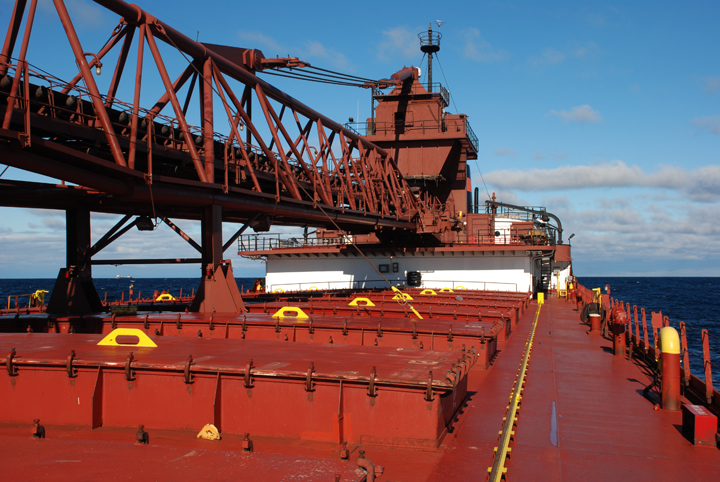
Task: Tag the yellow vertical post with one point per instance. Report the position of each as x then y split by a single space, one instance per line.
541 298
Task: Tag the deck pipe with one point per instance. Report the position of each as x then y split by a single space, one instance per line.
670 368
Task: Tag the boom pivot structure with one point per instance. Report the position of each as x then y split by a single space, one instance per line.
280 163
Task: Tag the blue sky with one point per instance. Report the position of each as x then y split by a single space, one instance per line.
608 114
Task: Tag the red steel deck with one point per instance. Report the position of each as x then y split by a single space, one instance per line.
583 417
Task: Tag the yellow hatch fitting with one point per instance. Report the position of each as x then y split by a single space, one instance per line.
459 287
127 337
278 290
446 290
404 297
313 288
400 295
209 432
165 297
428 292
358 300
285 310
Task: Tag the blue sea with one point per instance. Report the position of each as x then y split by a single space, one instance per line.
692 300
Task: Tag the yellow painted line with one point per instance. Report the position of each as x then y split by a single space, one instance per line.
498 468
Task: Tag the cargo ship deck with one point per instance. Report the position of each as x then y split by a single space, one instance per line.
582 416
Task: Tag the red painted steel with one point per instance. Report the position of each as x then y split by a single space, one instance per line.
618 332
587 386
645 331
670 381
393 309
482 338
699 426
81 455
685 354
707 362
241 386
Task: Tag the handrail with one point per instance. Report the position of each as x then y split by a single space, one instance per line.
356 284
270 241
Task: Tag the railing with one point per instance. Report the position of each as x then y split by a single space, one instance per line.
471 136
424 127
420 89
267 242
504 211
644 338
375 283
36 299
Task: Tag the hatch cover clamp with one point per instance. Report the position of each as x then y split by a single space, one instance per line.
299 314
127 337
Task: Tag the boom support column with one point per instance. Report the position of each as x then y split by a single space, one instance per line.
74 291
218 291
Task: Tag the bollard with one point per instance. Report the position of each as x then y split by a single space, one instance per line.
670 346
594 323
618 330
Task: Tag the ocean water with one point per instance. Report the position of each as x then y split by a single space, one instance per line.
692 300
112 287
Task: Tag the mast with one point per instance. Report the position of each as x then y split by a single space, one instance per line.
430 44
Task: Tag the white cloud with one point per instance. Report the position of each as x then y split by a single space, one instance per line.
54 223
82 13
711 84
635 234
312 50
257 39
548 57
505 152
596 19
316 50
479 49
398 42
701 184
588 50
580 114
709 122
557 155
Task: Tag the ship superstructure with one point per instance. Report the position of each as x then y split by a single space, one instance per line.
457 240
